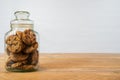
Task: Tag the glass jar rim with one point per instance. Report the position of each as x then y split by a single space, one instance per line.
21 12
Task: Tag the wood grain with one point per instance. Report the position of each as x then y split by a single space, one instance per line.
69 67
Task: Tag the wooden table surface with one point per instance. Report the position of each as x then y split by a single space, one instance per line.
69 67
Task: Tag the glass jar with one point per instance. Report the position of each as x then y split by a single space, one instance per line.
21 44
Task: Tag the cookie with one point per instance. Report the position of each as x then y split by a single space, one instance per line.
18 56
17 64
28 37
25 67
9 39
7 51
14 44
19 34
9 62
32 48
28 67
35 57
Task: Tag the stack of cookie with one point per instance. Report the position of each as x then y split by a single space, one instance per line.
22 51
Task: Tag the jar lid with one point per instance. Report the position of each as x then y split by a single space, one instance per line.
22 14
22 20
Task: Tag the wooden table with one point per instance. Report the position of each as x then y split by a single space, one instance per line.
69 67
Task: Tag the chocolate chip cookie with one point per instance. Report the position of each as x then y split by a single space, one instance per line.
9 62
19 34
18 64
32 48
28 37
14 44
18 56
35 57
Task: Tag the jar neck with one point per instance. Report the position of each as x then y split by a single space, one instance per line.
21 26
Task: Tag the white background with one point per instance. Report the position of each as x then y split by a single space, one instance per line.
69 25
